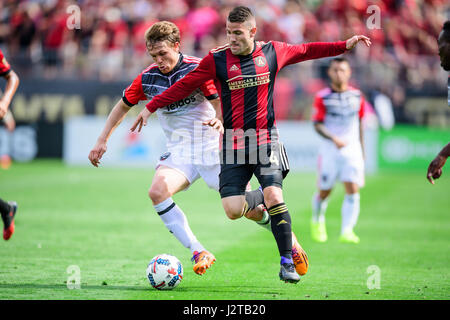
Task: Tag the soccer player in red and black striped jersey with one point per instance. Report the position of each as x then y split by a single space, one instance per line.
7 209
244 72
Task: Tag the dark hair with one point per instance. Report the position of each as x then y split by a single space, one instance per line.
240 14
446 26
339 60
446 31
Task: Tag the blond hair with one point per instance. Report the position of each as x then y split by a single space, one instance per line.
162 31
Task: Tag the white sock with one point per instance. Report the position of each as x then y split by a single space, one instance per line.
175 220
350 211
265 221
319 207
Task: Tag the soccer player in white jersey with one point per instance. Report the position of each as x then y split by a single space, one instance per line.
338 111
184 162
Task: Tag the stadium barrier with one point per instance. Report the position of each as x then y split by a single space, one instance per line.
410 147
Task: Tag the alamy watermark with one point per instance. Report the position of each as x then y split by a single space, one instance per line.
74 278
74 19
374 20
374 279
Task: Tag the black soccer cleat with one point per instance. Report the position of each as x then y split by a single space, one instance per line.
288 274
8 220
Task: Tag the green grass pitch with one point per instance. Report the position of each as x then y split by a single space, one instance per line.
101 220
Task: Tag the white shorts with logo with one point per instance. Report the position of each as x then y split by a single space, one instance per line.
345 164
192 170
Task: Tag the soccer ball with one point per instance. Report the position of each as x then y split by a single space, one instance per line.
164 272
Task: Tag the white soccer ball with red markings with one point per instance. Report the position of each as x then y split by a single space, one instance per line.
164 272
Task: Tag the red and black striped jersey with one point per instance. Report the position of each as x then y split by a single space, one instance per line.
5 68
246 82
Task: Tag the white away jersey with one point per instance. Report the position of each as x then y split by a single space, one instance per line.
340 112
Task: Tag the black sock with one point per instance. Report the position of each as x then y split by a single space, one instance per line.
254 198
4 207
281 229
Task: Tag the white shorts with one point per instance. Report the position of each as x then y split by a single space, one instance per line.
347 166
209 173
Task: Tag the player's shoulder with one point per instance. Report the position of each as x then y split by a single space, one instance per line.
219 49
324 92
353 88
191 60
263 43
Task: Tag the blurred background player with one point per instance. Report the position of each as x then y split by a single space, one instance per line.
7 209
339 110
245 71
435 167
176 170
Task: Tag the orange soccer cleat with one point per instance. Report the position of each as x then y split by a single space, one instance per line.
203 260
299 256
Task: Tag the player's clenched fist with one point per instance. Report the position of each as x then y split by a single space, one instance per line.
97 152
141 120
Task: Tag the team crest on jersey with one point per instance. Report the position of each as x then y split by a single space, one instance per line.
234 68
164 156
260 61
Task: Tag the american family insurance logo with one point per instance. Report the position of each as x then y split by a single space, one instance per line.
245 81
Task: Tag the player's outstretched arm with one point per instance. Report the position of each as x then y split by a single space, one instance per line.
288 53
435 167
114 119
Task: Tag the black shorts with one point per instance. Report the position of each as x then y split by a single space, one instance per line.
269 163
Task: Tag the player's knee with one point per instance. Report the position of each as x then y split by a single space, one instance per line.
323 194
233 215
233 212
158 194
272 196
